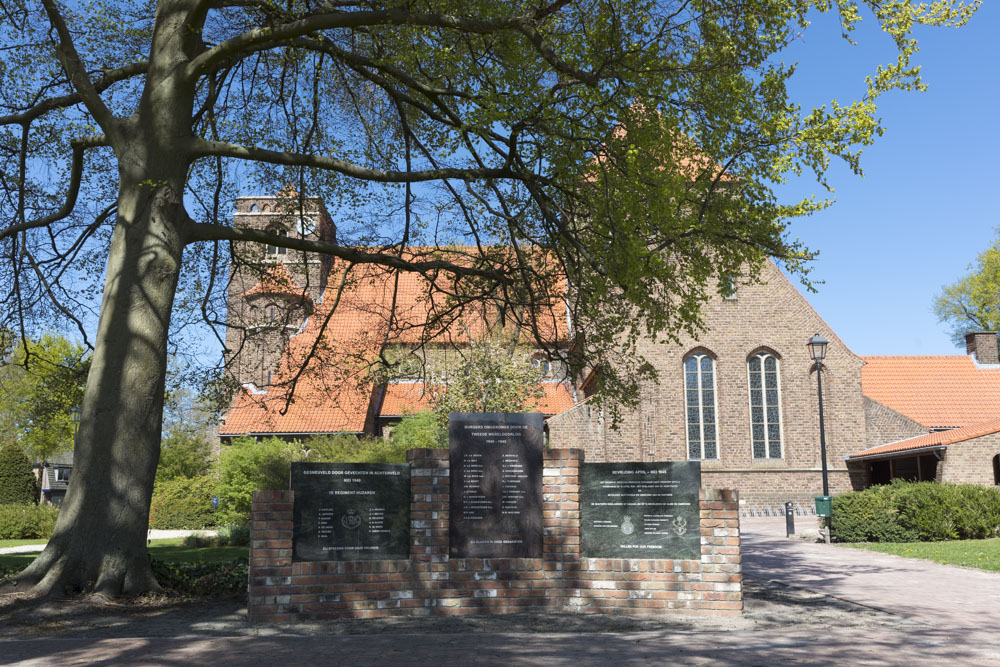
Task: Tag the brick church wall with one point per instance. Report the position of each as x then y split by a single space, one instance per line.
432 583
970 461
771 316
886 425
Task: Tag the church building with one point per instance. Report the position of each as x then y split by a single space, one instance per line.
741 397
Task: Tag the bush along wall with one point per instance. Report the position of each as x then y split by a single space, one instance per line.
917 511
183 503
27 522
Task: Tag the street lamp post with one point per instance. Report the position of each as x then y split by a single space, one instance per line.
817 350
74 414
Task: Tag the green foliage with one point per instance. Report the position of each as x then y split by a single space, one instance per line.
422 430
27 522
203 580
183 503
234 535
495 375
247 465
973 302
17 479
912 511
348 448
38 387
868 516
184 454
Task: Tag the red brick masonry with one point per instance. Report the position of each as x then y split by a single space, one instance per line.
431 583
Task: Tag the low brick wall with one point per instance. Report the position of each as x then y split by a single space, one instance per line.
431 583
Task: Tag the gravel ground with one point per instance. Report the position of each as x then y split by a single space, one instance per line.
768 606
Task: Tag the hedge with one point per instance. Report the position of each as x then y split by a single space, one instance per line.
183 503
27 522
17 479
917 511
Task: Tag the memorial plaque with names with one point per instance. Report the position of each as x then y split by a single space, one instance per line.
350 511
496 485
640 510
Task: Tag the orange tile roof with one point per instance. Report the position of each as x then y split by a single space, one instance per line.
330 361
937 392
261 413
402 398
937 438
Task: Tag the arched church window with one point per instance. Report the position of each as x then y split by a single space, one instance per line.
276 250
699 392
765 405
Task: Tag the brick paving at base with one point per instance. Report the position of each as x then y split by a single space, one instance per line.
962 603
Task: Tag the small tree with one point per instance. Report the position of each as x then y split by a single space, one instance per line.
494 375
184 454
17 480
973 303
419 431
41 380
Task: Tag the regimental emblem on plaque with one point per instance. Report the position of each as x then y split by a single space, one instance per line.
680 525
627 526
351 519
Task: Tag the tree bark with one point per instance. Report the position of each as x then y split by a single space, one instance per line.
99 542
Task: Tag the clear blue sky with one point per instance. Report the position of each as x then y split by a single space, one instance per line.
928 204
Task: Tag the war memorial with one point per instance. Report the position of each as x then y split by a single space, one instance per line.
496 523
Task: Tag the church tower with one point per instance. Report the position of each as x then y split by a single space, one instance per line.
273 290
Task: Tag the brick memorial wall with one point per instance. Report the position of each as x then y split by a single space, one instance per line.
430 582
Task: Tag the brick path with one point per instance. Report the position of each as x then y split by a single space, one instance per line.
964 603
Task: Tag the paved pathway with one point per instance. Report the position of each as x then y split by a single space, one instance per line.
836 647
962 602
153 535
955 614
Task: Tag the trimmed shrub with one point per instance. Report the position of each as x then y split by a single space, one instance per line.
247 465
27 522
183 504
917 511
868 516
17 479
348 448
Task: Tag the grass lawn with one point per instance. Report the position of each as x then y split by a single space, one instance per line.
165 550
982 554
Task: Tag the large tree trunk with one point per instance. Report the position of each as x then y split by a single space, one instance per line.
99 542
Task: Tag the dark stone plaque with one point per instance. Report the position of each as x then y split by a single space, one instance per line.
640 510
496 485
351 511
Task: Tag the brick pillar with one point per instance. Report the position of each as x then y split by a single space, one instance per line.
721 563
561 519
270 586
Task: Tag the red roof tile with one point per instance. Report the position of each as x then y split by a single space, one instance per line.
403 398
938 392
937 438
330 361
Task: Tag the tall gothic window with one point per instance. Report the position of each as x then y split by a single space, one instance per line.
699 386
765 406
